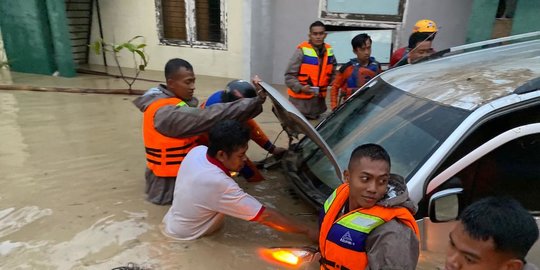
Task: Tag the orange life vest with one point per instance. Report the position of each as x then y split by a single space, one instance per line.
342 242
312 71
164 154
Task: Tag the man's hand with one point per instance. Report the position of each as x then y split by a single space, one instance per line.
306 89
260 91
279 151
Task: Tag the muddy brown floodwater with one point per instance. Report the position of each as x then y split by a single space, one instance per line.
72 181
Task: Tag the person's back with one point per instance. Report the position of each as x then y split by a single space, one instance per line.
172 121
205 191
237 89
201 186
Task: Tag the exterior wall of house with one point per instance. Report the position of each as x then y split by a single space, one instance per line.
284 25
280 25
124 19
452 18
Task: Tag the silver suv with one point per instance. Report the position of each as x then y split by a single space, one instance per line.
458 128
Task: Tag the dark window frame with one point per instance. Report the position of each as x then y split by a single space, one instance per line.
325 14
191 28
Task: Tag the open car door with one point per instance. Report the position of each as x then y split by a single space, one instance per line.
294 123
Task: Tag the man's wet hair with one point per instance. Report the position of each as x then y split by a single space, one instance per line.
418 37
317 23
174 65
369 150
360 40
503 219
227 136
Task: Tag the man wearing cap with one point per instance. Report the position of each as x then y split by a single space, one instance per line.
421 26
235 90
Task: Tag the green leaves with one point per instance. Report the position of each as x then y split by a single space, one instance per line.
137 49
135 46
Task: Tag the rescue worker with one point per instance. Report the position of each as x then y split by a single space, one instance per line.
310 71
235 90
419 47
367 222
355 73
492 233
399 56
172 122
205 192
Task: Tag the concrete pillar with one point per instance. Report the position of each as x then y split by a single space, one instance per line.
481 21
35 36
526 17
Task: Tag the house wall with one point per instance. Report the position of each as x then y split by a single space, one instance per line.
290 26
451 18
278 26
124 19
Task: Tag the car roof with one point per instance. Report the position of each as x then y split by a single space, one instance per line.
470 79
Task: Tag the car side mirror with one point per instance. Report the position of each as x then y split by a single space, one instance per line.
444 205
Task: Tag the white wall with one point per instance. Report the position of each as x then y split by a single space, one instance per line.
3 55
124 19
279 25
451 17
291 20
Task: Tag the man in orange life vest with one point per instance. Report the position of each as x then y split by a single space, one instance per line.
367 222
171 122
355 73
310 71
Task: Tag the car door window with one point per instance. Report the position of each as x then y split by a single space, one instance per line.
511 169
489 130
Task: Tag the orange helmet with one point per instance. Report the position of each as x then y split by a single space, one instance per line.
425 26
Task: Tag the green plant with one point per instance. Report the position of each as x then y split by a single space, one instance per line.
140 58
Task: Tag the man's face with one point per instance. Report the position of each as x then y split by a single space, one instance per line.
368 181
234 161
363 53
316 35
466 253
423 49
182 84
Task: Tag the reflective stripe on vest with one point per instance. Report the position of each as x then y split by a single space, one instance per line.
164 154
342 242
312 72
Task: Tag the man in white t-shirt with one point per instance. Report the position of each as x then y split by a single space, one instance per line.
205 192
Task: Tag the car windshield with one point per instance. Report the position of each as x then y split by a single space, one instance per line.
408 127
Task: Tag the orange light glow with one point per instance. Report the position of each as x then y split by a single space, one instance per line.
285 257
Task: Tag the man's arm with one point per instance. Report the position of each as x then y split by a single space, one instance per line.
334 70
187 121
291 74
279 222
392 246
338 83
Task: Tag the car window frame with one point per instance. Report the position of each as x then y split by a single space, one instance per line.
480 152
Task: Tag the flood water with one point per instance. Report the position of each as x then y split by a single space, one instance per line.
72 181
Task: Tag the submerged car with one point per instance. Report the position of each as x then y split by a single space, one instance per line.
457 128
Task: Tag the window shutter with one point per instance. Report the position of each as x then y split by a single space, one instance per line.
174 19
208 17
